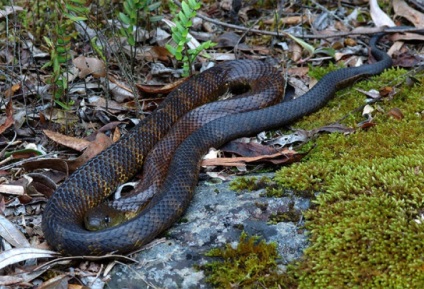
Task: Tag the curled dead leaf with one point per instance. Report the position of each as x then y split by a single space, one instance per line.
396 113
386 91
8 122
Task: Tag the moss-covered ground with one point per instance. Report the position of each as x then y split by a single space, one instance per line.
367 230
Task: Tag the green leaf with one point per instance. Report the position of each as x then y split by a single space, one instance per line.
129 9
326 50
171 49
62 104
76 18
63 58
56 65
124 18
62 49
79 2
194 4
302 43
76 9
154 6
180 28
156 18
131 40
183 18
176 36
48 41
186 9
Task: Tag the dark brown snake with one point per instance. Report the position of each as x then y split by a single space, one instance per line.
265 88
92 183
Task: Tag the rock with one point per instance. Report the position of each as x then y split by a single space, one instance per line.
216 216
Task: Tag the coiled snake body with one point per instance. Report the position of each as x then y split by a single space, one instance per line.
88 186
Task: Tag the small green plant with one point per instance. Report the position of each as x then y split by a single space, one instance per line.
180 36
60 44
137 14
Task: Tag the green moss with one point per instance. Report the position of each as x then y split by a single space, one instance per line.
292 215
252 264
364 232
250 183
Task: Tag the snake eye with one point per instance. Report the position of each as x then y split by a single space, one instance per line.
107 219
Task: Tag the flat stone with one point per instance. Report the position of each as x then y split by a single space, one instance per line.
216 216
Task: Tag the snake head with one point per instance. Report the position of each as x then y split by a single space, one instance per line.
103 217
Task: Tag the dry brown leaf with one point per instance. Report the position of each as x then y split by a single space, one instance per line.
150 89
101 143
58 282
55 164
9 121
43 183
401 8
68 141
396 113
285 156
90 65
11 90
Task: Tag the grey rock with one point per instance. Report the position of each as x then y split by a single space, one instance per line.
216 216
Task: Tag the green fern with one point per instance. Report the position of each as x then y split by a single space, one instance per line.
180 36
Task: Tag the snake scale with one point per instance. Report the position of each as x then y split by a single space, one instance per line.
92 183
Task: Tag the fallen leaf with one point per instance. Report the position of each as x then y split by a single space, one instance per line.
12 234
8 93
43 183
57 282
406 59
12 189
68 141
284 156
396 113
401 8
98 145
250 149
165 89
20 279
90 65
386 91
9 10
368 109
378 16
17 255
55 164
9 121
372 93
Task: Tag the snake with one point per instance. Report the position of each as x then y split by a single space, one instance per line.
63 216
266 87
